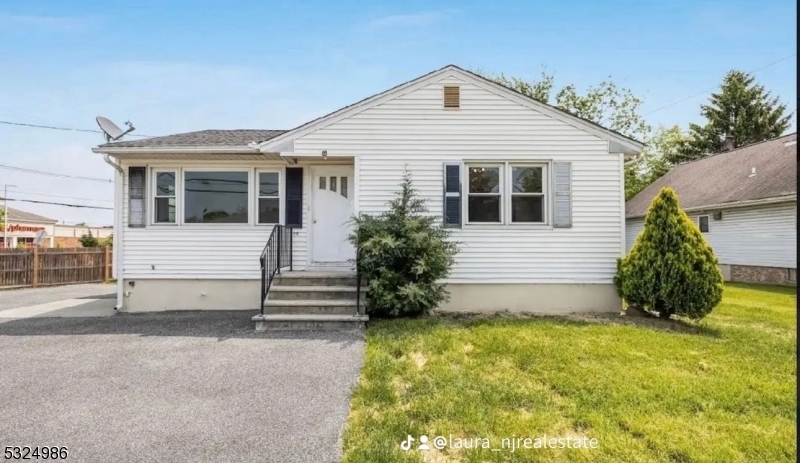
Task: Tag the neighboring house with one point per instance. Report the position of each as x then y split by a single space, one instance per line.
534 195
745 203
21 228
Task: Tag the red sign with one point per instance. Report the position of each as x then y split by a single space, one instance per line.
23 228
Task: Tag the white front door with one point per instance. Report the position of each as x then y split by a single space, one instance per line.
331 208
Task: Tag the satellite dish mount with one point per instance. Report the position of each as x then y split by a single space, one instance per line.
110 129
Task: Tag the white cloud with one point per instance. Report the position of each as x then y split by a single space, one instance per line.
419 19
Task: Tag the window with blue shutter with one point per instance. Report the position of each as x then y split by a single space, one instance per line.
452 195
294 197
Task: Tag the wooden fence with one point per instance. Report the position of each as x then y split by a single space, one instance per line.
53 266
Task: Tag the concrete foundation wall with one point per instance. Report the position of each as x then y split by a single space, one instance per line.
535 298
763 275
726 272
148 295
159 295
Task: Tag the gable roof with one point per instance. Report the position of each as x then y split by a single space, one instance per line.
16 215
631 144
228 138
725 178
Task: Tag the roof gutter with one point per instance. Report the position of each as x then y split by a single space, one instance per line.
176 150
735 204
111 163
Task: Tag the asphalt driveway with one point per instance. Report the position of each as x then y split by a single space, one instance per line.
179 387
83 300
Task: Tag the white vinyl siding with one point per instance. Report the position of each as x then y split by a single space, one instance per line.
213 251
760 236
414 130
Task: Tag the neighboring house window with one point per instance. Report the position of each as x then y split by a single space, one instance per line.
485 194
215 196
702 222
164 197
527 194
269 201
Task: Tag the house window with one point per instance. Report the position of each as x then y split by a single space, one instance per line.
333 184
164 197
507 193
322 182
343 186
702 222
269 202
527 194
485 194
215 196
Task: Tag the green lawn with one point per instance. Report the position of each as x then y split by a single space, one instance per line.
648 390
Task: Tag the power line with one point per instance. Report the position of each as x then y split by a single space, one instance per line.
59 196
60 204
52 127
53 174
714 87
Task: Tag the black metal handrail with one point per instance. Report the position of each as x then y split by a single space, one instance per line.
358 279
277 254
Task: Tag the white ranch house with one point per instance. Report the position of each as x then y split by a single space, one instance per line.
534 195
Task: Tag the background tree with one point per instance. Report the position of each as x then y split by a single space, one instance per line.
605 104
663 145
108 242
742 109
670 269
89 241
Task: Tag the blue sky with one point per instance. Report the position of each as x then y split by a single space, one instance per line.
180 66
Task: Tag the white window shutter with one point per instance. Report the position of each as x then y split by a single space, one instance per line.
562 194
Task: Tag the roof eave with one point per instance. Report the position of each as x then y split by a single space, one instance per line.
733 204
241 149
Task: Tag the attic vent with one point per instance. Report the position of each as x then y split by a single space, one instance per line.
452 97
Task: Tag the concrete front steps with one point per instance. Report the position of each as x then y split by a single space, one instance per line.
312 301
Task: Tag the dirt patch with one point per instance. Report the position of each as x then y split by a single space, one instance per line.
419 359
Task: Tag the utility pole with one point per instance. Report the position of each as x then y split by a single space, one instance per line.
5 214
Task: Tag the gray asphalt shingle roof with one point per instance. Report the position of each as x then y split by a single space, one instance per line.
16 215
241 137
726 177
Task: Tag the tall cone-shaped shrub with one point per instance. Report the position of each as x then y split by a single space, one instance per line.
670 269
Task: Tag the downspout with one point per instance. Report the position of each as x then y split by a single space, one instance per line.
117 250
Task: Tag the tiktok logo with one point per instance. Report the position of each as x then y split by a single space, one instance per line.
406 444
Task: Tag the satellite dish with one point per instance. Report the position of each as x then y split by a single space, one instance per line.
40 236
111 130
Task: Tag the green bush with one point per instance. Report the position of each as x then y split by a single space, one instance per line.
89 241
670 269
404 255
